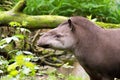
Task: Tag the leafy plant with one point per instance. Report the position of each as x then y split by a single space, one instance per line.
103 10
20 63
7 4
3 65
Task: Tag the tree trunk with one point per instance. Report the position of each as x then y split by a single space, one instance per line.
35 22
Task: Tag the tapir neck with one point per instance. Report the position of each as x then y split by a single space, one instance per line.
87 40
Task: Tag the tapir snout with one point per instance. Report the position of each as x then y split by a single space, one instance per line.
41 44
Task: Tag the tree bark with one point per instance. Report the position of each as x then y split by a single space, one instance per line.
35 22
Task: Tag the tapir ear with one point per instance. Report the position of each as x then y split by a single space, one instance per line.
71 25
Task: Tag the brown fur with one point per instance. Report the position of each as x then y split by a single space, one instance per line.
97 49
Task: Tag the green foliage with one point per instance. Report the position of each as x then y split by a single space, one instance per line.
14 24
20 64
19 38
7 4
103 10
3 65
54 75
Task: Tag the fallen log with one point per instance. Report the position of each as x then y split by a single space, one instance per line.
36 22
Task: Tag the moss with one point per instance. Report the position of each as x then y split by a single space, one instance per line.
45 21
108 25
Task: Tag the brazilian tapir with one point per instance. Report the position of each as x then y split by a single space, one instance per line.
97 49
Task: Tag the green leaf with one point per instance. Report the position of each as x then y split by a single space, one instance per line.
14 73
3 41
15 24
15 38
13 51
35 58
1 71
66 65
1 63
1 47
20 36
54 59
29 65
12 67
27 52
24 23
24 29
8 39
19 52
20 59
27 59
26 70
45 51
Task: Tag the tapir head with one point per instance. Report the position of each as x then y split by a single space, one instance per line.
61 37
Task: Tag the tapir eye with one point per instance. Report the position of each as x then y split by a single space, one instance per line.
58 36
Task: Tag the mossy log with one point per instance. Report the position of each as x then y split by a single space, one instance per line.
35 22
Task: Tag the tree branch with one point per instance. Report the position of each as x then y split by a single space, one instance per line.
19 6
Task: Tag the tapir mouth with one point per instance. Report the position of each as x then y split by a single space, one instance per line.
44 46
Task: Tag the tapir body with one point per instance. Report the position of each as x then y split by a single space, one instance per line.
97 49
